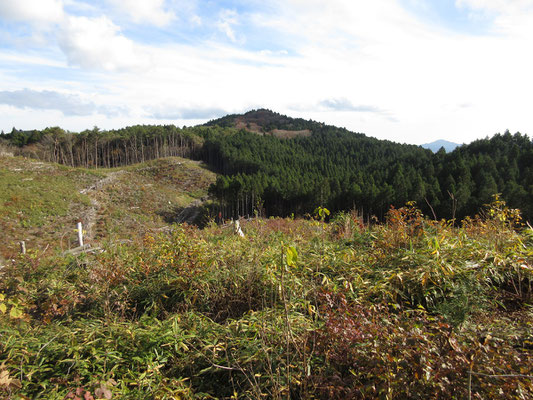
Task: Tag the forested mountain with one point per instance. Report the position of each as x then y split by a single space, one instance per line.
276 165
501 164
341 169
332 167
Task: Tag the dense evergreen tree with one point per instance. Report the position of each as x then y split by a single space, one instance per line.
96 148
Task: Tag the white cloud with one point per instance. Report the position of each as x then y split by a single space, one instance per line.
343 104
168 111
97 43
88 42
80 6
510 16
227 19
67 103
145 11
28 59
500 6
38 11
195 20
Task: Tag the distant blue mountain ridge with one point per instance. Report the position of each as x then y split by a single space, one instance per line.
437 144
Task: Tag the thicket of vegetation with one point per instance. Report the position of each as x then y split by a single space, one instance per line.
331 167
413 308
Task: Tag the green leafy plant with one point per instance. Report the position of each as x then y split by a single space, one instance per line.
406 309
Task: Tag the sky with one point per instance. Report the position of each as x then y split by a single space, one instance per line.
411 71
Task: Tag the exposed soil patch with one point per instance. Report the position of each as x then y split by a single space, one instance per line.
284 134
241 123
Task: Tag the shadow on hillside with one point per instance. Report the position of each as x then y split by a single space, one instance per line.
195 214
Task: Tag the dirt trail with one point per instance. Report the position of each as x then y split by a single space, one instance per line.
89 218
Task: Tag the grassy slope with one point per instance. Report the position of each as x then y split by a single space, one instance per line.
41 202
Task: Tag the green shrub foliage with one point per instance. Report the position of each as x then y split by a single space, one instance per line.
409 309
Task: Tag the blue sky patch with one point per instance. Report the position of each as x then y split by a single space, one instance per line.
446 14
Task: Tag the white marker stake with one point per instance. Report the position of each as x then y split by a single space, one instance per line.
80 234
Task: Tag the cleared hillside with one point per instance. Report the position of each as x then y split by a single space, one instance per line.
41 203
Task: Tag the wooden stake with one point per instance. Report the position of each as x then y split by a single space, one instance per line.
237 228
22 247
80 234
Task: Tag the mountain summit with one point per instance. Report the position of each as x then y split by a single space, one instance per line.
264 121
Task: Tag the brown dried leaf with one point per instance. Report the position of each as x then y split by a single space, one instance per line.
103 393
